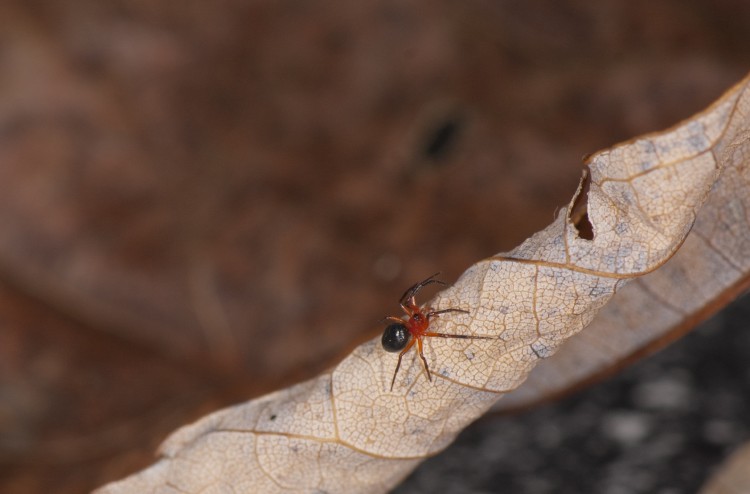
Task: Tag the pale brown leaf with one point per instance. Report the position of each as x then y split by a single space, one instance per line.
733 477
709 270
344 431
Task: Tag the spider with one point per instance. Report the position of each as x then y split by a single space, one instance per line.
401 335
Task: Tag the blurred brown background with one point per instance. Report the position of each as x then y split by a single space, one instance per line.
202 201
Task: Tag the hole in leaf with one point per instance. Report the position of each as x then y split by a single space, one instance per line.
579 213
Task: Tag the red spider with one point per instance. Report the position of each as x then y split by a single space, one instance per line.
401 335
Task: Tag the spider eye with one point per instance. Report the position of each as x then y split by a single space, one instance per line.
395 337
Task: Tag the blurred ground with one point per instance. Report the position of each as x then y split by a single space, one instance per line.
203 201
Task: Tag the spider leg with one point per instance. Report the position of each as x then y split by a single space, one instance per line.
418 286
436 313
461 336
409 307
424 360
393 319
398 364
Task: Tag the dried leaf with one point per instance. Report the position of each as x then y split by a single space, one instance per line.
710 269
734 475
344 431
